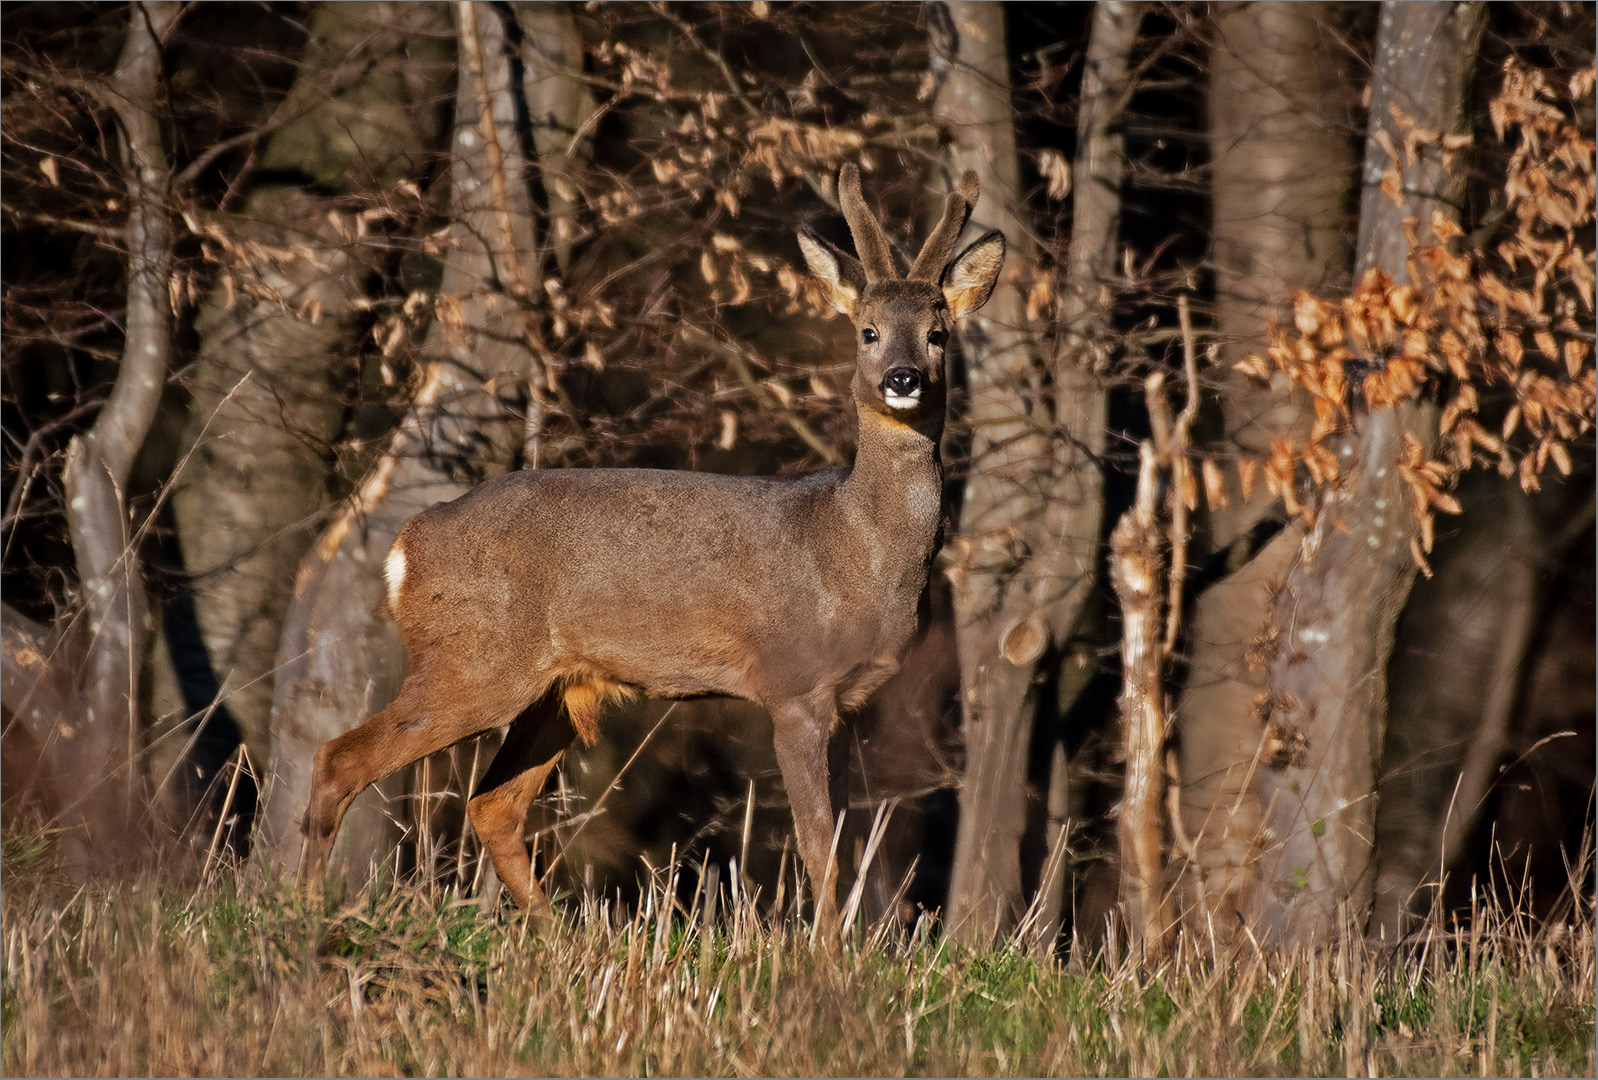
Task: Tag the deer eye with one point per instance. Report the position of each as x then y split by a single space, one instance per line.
936 338
868 335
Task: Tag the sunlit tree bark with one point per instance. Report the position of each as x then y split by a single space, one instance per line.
278 338
1082 360
1455 683
1282 159
558 103
1281 165
97 751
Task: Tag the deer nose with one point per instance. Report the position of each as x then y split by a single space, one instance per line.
901 388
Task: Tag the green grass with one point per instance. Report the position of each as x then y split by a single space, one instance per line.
228 980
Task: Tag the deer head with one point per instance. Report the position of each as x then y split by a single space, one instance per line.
903 323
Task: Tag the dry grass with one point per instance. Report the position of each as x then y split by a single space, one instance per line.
227 980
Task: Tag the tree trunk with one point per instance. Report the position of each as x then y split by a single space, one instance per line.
1138 572
99 752
1333 617
339 661
1027 544
278 340
267 406
1075 512
1221 740
1279 106
558 100
1281 168
1456 677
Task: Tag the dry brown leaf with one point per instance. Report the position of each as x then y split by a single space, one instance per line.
1057 171
1247 471
1561 457
1214 484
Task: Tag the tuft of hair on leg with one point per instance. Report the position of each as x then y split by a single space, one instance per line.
585 695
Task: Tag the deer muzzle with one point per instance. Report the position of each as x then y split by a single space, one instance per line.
901 388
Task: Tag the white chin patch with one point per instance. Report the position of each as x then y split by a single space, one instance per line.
903 401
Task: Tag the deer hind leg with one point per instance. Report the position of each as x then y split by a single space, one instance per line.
429 714
803 732
514 778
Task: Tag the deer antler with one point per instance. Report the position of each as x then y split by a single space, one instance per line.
869 240
939 247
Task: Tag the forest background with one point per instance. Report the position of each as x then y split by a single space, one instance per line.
1267 603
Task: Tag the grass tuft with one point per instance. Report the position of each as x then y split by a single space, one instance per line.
227 980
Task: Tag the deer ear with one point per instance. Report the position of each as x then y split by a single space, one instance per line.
842 274
968 281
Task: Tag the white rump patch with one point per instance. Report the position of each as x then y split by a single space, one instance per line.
394 574
903 401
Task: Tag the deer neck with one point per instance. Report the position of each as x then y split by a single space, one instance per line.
897 479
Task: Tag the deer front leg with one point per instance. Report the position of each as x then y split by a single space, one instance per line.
802 732
344 767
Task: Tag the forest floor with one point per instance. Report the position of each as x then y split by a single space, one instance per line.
222 978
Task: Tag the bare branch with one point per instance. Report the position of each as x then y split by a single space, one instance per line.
98 463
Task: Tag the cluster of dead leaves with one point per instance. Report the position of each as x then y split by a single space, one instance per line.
254 259
1507 319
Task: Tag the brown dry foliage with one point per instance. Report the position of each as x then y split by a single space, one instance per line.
1508 321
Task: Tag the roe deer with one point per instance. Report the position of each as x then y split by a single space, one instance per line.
539 596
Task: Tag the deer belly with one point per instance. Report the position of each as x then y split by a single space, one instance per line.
661 652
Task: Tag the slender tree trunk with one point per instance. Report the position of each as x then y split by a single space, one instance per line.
1138 569
1333 617
558 100
1003 368
1027 544
99 751
1148 553
339 661
1075 513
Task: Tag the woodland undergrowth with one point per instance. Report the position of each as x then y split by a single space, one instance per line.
235 975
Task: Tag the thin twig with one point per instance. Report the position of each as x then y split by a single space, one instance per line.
593 811
111 234
740 366
1181 474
